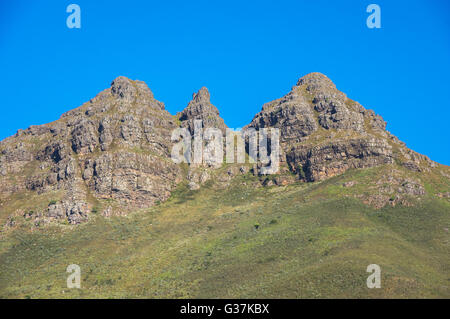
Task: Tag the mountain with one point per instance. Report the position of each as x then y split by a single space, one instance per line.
113 148
98 188
324 133
200 108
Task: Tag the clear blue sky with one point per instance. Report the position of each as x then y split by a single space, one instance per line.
246 52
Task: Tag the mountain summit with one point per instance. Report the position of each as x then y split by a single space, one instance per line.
200 108
324 133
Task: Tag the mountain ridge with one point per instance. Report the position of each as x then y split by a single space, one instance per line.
113 152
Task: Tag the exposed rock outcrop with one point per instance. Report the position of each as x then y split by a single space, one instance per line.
114 148
200 108
324 133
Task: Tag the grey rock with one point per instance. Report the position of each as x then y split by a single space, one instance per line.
200 108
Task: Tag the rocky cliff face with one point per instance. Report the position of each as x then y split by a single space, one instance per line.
112 154
200 108
113 148
324 133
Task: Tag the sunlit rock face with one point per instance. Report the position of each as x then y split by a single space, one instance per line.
114 148
324 133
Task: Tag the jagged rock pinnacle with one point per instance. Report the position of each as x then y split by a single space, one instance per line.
124 88
201 96
200 108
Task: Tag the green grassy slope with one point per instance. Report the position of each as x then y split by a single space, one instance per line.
296 241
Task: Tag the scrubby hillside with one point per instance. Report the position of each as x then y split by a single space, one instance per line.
237 240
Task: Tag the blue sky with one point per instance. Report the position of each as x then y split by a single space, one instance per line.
246 52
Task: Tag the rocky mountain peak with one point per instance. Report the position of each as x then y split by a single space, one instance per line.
315 80
201 96
114 146
324 133
200 108
121 85
132 91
